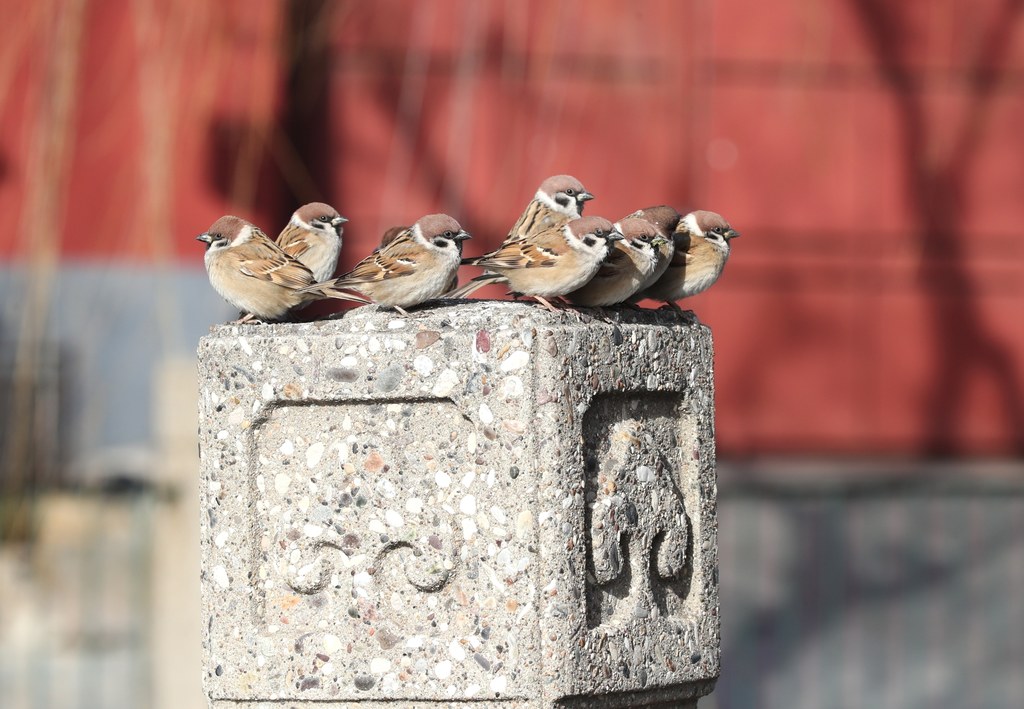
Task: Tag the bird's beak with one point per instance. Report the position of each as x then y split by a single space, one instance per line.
338 220
205 237
658 242
615 235
731 234
463 235
584 196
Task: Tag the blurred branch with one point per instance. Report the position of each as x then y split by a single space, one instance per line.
937 186
49 153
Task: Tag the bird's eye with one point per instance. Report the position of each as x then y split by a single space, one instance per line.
570 191
448 235
599 232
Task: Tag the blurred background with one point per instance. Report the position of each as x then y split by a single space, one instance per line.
869 327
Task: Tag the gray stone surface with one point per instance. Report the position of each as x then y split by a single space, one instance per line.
485 503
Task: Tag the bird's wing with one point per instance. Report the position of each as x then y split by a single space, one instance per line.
540 251
398 257
263 259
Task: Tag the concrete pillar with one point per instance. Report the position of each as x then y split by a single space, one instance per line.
485 503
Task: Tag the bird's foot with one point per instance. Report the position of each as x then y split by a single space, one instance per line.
606 316
545 303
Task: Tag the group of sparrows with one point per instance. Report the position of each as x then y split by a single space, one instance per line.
552 252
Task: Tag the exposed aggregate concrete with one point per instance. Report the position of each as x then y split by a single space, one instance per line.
484 503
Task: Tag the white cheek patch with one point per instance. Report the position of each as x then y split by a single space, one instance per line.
571 239
598 246
691 224
244 236
417 236
547 201
550 202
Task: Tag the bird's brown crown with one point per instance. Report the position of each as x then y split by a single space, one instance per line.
664 217
562 183
437 224
708 221
314 210
227 227
598 226
638 228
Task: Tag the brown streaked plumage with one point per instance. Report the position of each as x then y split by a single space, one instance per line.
559 199
253 274
411 266
548 264
313 237
702 248
633 263
391 233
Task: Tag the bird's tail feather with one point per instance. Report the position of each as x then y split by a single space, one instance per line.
474 285
329 289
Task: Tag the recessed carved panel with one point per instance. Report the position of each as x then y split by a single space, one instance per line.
342 538
638 530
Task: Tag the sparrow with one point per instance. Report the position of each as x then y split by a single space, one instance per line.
411 266
313 236
701 242
550 263
664 217
389 236
255 275
633 263
558 199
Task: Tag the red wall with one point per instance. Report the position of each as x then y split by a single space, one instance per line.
869 151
